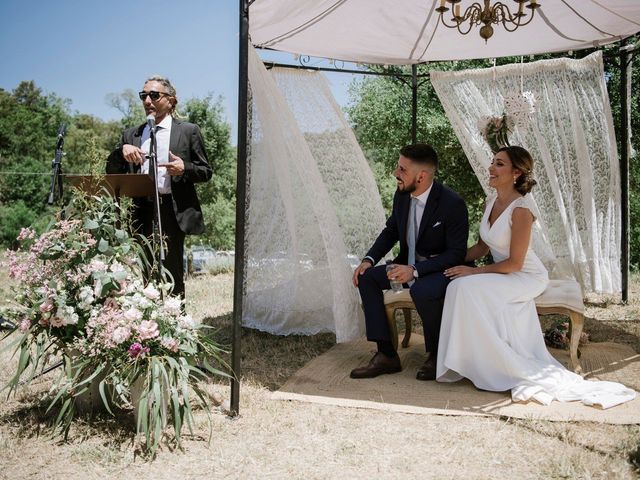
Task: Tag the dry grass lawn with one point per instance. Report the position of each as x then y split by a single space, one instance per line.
276 439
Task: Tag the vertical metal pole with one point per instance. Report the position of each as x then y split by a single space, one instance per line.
625 149
241 179
414 103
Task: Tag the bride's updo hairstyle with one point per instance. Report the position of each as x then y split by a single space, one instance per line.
521 160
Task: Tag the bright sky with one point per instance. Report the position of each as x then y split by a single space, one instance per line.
84 49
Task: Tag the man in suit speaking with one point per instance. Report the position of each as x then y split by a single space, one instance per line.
182 161
431 223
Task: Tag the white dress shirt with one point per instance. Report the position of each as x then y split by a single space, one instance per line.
421 202
163 134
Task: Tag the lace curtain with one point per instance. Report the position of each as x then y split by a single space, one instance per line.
571 139
313 208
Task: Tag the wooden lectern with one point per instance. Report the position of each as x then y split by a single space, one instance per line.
117 184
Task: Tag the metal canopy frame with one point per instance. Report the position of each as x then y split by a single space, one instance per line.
625 54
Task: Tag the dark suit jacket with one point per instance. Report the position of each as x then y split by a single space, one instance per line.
186 142
443 233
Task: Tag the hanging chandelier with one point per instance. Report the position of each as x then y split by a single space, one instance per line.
486 15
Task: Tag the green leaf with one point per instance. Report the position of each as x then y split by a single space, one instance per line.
103 245
91 224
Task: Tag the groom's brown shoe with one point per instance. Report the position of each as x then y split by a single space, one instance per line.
428 369
378 365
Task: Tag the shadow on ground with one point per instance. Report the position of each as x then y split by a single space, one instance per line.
269 360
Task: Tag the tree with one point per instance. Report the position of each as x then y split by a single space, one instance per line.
129 105
217 195
29 122
380 113
612 69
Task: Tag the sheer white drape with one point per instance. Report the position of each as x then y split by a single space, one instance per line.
312 206
571 139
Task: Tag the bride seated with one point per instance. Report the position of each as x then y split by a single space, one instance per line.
490 331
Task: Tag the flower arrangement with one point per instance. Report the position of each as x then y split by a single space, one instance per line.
82 294
557 335
518 108
496 130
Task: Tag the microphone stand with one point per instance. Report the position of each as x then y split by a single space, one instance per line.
56 164
157 221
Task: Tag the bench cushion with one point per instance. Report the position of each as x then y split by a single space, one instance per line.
559 293
562 293
392 297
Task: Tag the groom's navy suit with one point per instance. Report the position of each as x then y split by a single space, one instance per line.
180 210
441 243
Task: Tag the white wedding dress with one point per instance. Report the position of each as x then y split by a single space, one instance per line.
491 334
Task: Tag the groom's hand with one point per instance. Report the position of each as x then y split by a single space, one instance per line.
401 273
359 271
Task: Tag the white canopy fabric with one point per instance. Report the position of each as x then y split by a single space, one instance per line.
313 208
571 139
409 31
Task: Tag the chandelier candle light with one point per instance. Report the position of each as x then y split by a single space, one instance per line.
487 15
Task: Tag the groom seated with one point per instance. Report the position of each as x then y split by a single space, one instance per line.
431 223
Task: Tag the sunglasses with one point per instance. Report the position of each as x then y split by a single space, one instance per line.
153 94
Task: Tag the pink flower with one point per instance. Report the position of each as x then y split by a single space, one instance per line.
111 303
137 350
26 233
46 306
148 329
57 322
24 325
170 344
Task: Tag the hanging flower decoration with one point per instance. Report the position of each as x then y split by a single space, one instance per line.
518 110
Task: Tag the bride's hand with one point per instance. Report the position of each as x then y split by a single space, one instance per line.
459 271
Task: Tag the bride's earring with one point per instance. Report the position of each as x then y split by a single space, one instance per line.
514 180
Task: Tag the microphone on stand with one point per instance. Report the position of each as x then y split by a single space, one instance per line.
151 121
61 131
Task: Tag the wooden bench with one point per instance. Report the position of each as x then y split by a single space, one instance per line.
562 297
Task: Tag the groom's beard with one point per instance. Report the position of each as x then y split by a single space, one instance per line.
406 187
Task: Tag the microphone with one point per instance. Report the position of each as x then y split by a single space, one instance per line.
60 136
151 121
63 127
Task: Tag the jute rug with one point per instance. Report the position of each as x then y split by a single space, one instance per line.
326 380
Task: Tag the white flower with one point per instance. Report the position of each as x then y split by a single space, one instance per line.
85 297
134 286
519 107
120 334
187 322
133 315
68 316
173 305
151 292
117 267
144 303
97 265
97 288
